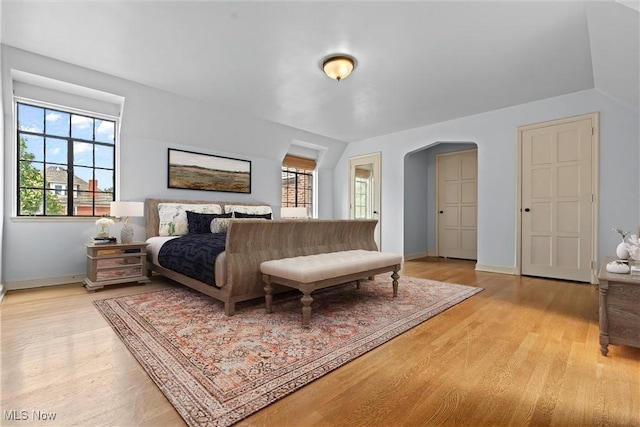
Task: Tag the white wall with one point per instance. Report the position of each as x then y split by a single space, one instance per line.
50 252
2 140
417 206
495 134
44 252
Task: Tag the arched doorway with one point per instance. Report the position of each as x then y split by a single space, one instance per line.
420 203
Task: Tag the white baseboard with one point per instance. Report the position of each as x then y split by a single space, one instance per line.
416 255
496 269
3 290
47 281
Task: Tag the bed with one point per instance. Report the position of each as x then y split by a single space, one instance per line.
248 242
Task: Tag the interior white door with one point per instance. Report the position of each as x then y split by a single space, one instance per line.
457 176
364 190
557 195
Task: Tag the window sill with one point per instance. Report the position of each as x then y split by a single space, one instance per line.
59 218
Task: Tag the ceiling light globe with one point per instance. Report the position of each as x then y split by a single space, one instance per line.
338 67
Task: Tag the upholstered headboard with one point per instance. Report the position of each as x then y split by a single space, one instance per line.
153 219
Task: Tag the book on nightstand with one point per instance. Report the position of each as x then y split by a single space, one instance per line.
104 240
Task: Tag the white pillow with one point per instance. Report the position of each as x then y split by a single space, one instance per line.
221 225
173 216
253 210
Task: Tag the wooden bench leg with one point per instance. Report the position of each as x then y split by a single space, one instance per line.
395 276
306 304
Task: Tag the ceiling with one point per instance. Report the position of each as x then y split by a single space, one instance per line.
419 62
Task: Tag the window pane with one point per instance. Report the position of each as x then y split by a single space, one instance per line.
82 153
105 131
31 174
54 205
31 147
30 202
56 175
104 180
30 118
92 204
86 177
81 127
57 123
104 156
103 203
83 204
297 188
56 151
288 188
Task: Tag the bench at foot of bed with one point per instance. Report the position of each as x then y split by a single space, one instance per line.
311 272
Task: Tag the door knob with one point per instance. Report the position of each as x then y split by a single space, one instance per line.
441 212
527 209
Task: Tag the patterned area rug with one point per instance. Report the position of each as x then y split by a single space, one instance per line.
217 370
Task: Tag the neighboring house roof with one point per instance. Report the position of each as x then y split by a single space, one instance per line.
83 194
56 174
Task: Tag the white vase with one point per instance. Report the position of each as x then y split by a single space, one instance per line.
622 252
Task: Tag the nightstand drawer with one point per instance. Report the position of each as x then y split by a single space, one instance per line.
118 273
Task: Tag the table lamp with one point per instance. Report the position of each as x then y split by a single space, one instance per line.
127 209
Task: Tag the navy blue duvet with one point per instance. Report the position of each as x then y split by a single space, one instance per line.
193 255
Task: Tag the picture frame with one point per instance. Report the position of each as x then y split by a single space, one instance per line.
197 171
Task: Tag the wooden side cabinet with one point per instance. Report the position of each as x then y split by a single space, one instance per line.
114 263
619 308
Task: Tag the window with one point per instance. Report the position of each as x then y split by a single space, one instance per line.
363 192
58 188
362 196
60 150
297 182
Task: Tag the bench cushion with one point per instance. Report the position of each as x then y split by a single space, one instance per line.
313 268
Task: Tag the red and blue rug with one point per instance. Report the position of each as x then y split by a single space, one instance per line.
217 370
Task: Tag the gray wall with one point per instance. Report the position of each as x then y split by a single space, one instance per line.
416 203
51 251
495 134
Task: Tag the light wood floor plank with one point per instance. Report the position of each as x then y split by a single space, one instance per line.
522 352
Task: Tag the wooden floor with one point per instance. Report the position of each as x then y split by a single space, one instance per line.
522 352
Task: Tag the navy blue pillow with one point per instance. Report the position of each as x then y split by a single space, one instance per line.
254 216
200 223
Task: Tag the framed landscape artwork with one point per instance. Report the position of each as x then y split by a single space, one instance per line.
195 171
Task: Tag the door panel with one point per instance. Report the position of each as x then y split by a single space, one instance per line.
557 193
457 204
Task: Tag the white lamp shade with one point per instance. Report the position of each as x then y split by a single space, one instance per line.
299 212
124 209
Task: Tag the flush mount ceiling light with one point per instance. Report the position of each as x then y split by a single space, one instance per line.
338 67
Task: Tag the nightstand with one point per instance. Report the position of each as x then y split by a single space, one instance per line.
619 302
114 263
